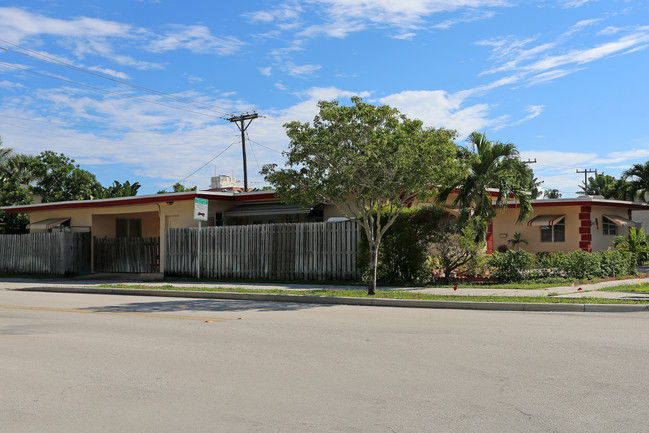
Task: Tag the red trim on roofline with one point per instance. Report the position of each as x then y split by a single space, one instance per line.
129 201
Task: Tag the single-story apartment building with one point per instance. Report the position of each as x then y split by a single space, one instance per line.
588 223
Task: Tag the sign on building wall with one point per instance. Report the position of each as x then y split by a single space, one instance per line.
200 209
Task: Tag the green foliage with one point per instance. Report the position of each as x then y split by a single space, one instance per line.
637 243
178 187
491 165
457 244
581 265
117 189
364 159
639 184
609 187
511 266
59 179
404 249
516 241
54 177
552 193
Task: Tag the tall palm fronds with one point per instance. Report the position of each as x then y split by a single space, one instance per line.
492 166
639 184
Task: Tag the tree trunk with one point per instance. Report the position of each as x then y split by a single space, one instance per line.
374 259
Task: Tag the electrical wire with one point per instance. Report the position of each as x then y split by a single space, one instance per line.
105 129
252 150
109 91
265 147
98 140
48 59
204 165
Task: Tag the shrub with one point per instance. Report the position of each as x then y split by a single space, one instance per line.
579 265
512 266
404 247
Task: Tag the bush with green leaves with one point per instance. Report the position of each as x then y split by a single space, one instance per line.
404 248
512 266
515 266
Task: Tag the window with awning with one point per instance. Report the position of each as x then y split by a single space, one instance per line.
546 220
621 222
48 224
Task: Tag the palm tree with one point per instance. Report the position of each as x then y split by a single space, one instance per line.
492 165
639 185
516 241
637 243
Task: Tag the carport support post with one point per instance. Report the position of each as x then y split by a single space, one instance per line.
198 252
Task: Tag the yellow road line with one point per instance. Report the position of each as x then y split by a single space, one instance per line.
117 313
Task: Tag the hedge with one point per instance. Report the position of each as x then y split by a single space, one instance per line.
517 266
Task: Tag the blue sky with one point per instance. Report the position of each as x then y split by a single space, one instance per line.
567 81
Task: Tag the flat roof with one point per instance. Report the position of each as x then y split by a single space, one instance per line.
145 199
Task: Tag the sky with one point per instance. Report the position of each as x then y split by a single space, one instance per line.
143 90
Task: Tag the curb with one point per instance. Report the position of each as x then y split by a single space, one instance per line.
376 302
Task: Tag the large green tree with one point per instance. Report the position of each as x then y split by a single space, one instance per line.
14 188
366 160
609 187
492 166
58 178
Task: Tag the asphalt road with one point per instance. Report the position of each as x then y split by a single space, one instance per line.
97 363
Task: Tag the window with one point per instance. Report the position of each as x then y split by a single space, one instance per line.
131 228
554 233
609 227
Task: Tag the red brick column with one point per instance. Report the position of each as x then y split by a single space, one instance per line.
584 229
490 238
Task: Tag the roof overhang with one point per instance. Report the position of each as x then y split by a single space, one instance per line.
47 224
545 220
145 199
266 210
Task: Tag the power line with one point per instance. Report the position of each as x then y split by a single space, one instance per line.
252 149
48 59
108 91
204 165
94 139
265 147
72 125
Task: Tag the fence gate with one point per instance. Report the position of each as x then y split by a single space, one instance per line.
137 255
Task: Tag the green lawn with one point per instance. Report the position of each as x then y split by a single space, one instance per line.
388 294
634 288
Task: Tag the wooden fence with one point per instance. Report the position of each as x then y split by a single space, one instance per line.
139 255
306 251
60 253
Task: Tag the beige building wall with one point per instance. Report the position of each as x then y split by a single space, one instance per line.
504 227
600 241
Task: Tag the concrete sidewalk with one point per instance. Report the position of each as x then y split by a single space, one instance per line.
94 281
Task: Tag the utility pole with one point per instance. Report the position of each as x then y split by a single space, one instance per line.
586 173
240 122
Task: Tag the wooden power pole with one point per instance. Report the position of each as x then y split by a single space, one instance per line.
240 121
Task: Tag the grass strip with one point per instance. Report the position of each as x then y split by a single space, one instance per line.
387 294
632 288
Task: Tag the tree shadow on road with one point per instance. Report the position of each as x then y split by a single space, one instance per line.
206 305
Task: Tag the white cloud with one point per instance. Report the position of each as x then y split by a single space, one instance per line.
197 39
404 36
110 72
301 70
575 3
437 108
266 71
